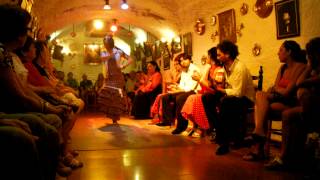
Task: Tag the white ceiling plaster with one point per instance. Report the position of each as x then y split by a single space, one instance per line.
151 15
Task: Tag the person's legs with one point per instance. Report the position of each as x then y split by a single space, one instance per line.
48 143
261 109
19 155
293 134
210 102
168 108
141 106
228 124
293 140
182 123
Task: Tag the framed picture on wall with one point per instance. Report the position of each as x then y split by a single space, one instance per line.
187 43
92 54
287 18
166 56
227 26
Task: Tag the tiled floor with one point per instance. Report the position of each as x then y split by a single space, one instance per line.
138 151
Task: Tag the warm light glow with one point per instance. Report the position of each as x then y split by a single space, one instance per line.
114 28
137 41
141 35
163 39
124 5
98 24
54 35
122 45
66 49
93 47
177 39
168 34
107 7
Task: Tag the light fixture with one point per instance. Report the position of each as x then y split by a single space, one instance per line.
114 26
124 5
107 5
98 24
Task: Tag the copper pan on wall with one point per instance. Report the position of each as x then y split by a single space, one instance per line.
263 8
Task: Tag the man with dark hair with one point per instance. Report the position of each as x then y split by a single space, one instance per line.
238 95
178 95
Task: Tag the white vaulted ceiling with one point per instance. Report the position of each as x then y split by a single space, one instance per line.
150 15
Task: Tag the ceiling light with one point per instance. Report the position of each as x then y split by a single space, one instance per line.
114 26
98 24
124 5
107 5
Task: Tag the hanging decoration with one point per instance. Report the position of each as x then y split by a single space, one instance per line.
73 33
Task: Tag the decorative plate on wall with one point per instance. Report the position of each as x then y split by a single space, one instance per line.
199 27
263 8
244 9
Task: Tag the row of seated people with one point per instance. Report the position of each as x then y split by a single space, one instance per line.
87 90
37 111
227 91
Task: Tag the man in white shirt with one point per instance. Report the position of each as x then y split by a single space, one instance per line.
173 102
238 95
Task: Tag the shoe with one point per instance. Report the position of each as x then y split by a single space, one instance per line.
163 124
275 165
197 135
253 157
154 121
213 136
177 131
71 162
186 133
222 150
74 153
63 170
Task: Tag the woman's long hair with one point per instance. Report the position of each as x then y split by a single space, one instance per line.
153 63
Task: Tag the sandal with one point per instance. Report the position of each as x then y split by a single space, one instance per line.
71 162
197 134
74 153
154 121
253 157
63 170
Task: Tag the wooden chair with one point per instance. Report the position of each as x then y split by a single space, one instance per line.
258 87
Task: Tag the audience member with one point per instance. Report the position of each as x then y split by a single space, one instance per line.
193 108
146 94
238 95
281 96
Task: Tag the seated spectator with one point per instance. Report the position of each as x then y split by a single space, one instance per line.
40 84
19 154
85 86
237 96
156 109
193 109
278 98
302 119
16 98
130 88
72 82
141 79
146 94
173 101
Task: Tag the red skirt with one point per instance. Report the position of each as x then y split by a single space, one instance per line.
193 110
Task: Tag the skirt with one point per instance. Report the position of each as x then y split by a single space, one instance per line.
193 110
112 102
